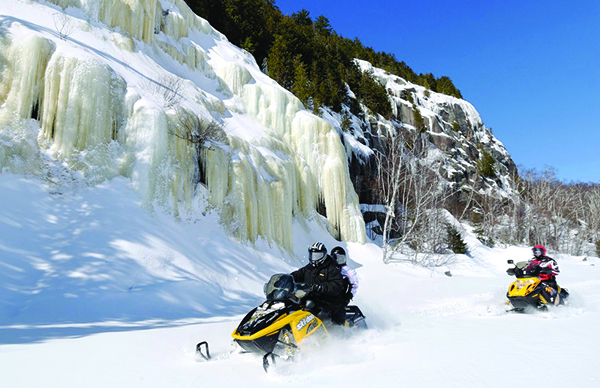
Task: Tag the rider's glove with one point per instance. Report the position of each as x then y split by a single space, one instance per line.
348 297
301 289
300 294
318 288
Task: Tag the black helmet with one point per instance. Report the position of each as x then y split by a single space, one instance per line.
339 255
317 253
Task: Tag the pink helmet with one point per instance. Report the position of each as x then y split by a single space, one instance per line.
539 248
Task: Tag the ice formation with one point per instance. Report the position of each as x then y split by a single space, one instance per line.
82 104
279 161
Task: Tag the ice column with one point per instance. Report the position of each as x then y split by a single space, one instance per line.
22 80
82 104
318 154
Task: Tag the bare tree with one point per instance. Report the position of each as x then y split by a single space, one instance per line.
197 130
168 88
64 24
559 215
517 212
488 214
591 215
389 172
408 190
198 133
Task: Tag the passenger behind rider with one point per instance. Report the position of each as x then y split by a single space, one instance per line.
547 276
349 274
325 281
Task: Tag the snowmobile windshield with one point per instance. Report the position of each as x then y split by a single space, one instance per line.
279 287
532 269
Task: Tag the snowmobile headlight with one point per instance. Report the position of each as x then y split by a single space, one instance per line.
522 283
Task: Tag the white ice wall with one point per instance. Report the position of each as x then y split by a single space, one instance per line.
259 182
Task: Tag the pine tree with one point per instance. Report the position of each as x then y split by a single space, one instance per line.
486 165
374 96
346 123
445 86
322 26
277 62
318 92
301 85
455 241
419 122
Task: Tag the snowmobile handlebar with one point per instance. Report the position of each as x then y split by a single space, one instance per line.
528 271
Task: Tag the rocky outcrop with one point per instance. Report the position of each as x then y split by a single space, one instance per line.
454 131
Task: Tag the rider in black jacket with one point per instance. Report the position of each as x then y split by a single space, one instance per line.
325 280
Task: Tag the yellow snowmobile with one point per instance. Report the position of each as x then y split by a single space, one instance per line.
529 291
278 327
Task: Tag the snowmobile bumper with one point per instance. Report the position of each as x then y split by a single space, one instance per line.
520 303
260 345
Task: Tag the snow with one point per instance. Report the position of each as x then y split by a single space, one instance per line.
98 291
102 285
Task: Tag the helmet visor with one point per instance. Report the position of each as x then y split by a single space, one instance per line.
340 258
316 257
538 251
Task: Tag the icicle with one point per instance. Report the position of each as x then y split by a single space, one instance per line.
22 81
161 161
272 106
259 199
82 104
216 169
23 64
137 17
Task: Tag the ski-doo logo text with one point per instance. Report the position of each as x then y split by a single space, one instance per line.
304 321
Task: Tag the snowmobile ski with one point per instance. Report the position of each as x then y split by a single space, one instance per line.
266 364
199 350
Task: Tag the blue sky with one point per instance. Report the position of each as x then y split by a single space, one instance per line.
530 68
